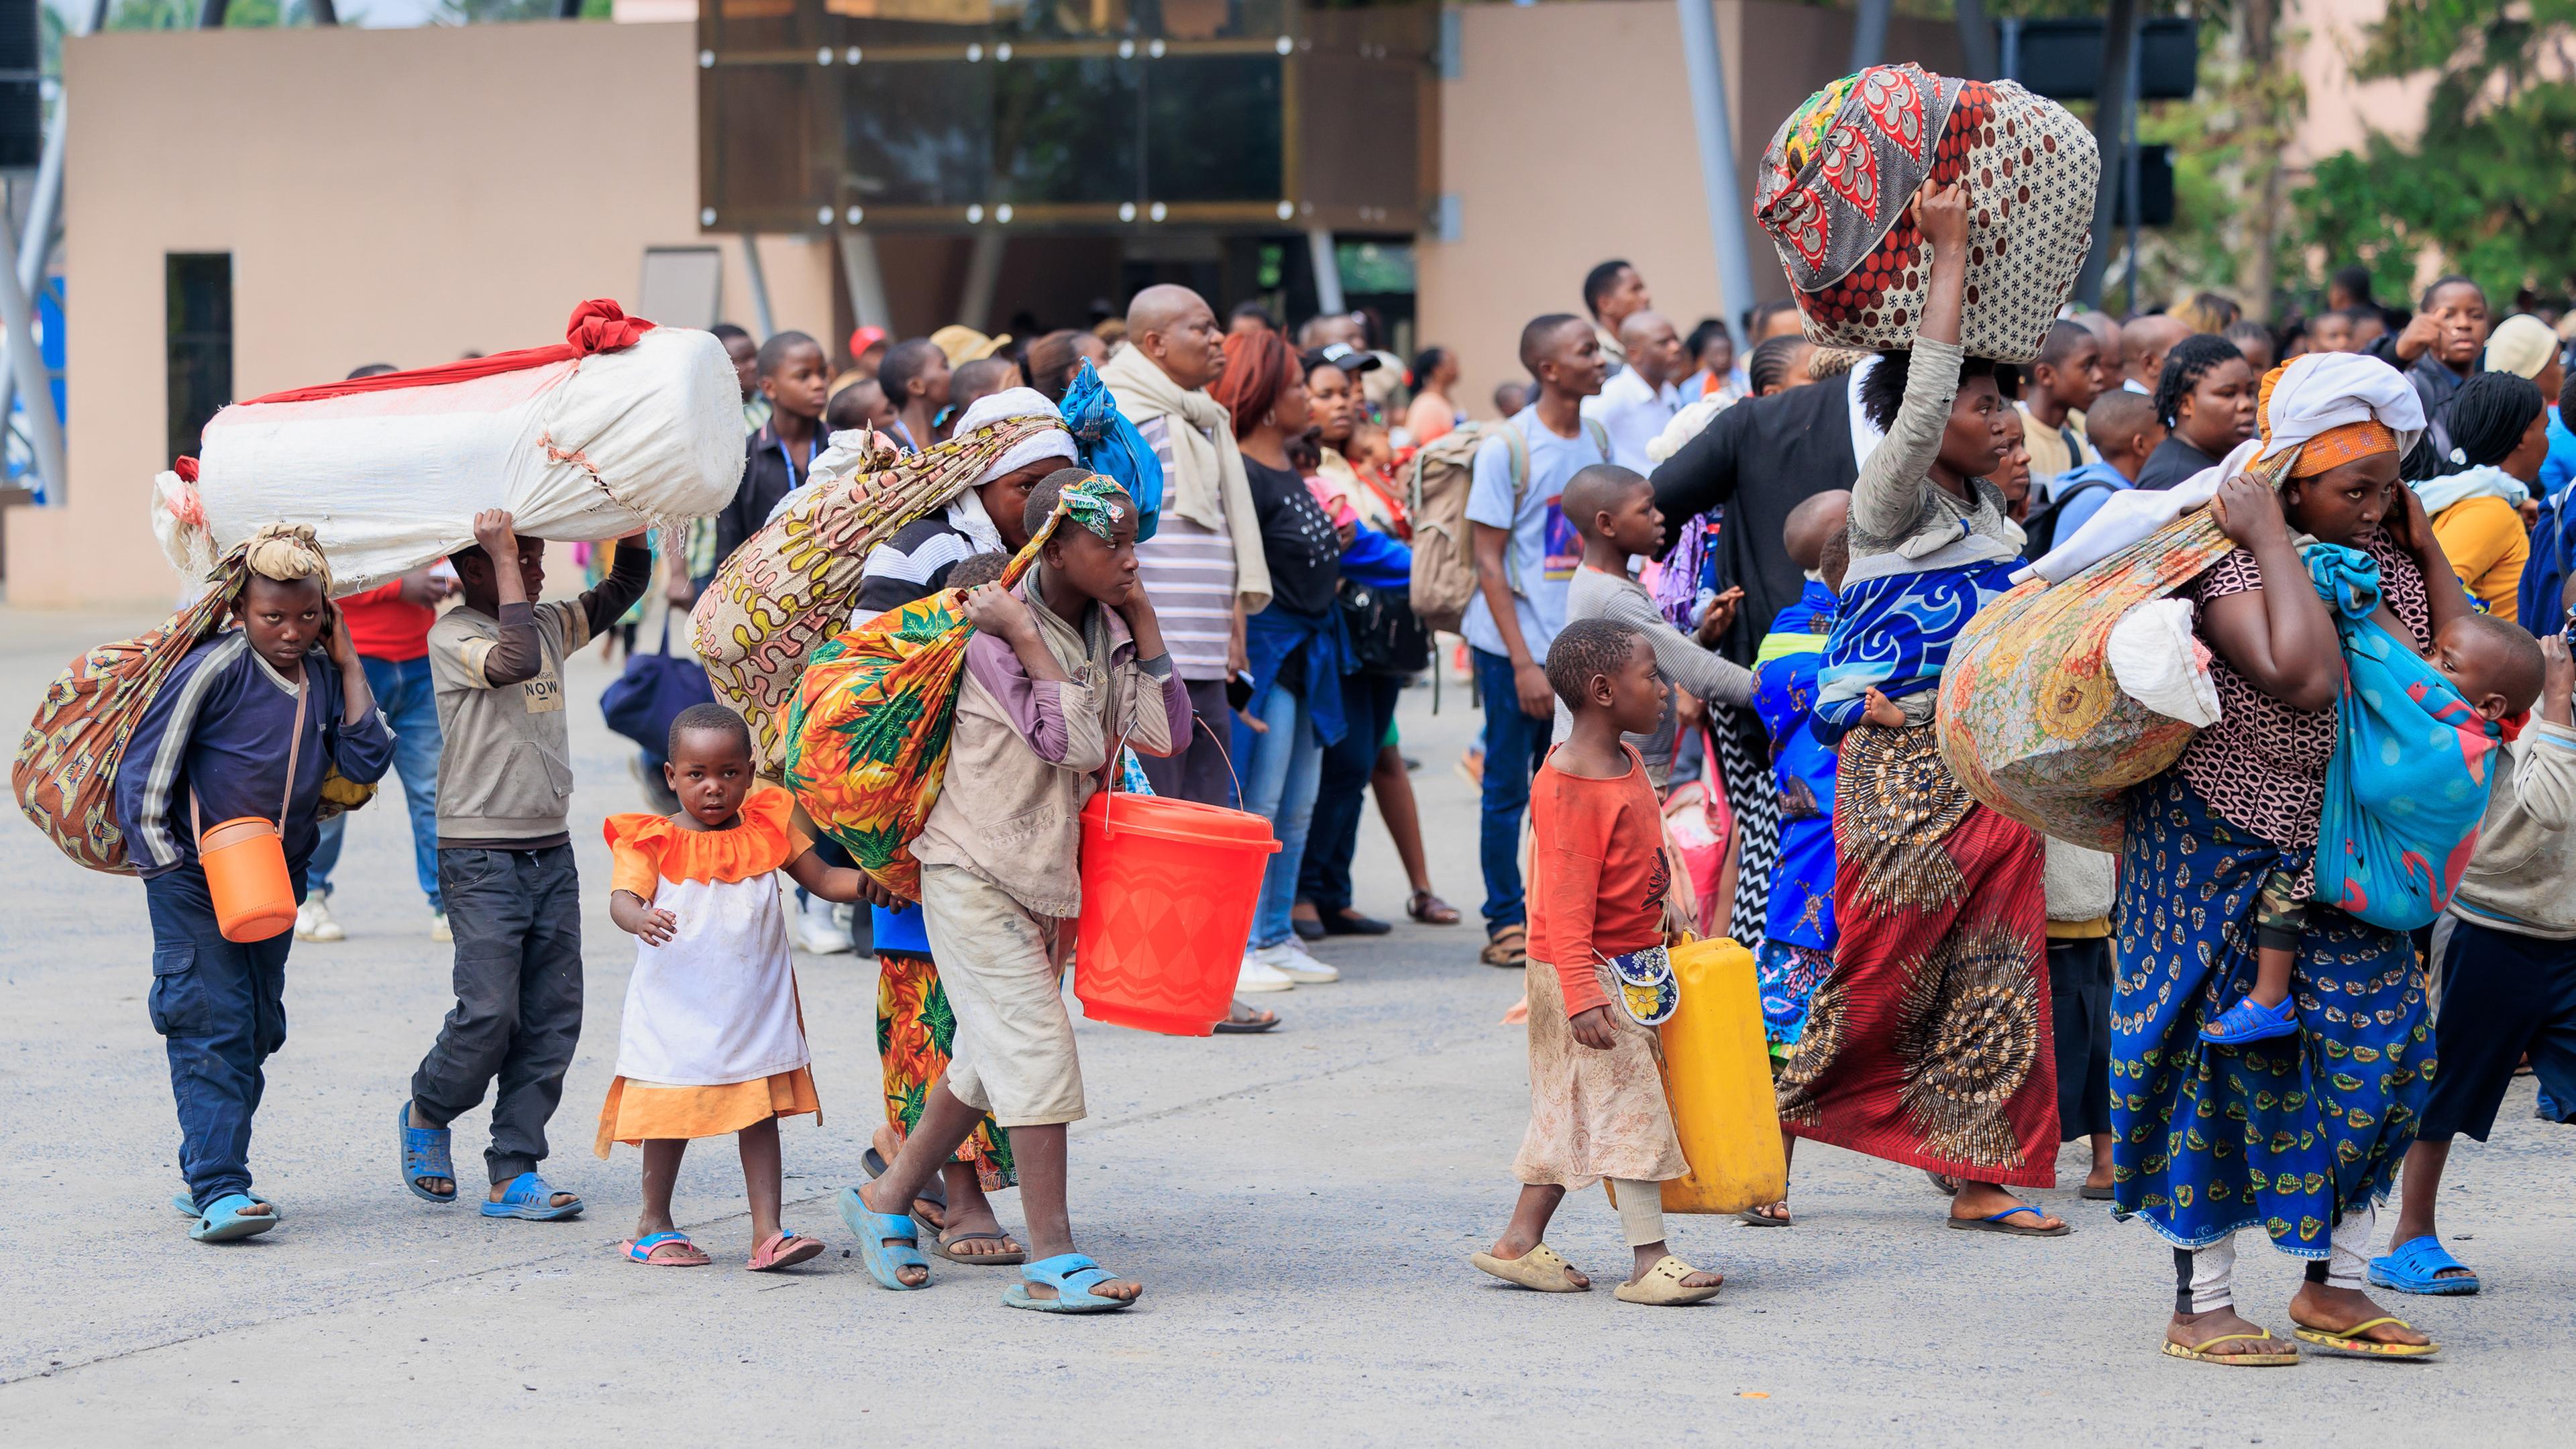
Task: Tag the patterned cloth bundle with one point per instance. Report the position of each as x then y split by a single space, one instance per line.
1836 193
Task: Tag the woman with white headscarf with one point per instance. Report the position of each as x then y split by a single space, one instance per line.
2299 1136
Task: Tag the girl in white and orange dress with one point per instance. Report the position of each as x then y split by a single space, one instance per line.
712 1041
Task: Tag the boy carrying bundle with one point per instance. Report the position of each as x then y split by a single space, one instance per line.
251 718
1061 667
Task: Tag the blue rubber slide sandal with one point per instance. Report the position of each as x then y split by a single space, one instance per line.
2250 1020
223 1221
1072 1276
423 1153
530 1198
187 1207
2412 1266
887 1241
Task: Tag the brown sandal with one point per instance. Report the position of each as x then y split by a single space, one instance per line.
1508 948
1430 910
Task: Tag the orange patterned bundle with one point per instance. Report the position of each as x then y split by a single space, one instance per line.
867 729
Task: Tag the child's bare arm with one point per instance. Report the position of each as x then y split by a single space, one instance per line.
638 917
839 883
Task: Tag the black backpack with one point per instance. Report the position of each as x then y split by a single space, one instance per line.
2040 529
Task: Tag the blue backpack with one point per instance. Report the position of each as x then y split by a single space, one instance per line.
1110 445
2544 578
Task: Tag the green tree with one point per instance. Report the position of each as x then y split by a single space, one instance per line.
2490 185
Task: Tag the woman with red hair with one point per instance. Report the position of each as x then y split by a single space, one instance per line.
1297 651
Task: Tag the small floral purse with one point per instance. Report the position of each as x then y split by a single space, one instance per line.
1647 990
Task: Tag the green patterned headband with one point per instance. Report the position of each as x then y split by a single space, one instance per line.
1097 503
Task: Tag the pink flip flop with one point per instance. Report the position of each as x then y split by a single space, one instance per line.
782 1249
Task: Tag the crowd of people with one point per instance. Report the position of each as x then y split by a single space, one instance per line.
1709 601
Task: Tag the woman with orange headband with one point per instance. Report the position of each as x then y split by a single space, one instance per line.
2300 1135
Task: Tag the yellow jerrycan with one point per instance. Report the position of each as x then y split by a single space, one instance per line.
1717 1079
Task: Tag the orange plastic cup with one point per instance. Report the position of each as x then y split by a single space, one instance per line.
245 865
1168 891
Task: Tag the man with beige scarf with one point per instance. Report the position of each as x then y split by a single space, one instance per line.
1203 568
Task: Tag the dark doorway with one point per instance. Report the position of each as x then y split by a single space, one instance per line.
198 301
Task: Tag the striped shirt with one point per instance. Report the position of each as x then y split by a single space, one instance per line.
1189 575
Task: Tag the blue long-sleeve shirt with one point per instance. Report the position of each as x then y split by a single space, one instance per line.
221 727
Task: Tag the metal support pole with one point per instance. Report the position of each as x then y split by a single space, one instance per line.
1977 40
2129 179
1707 71
759 281
35 252
983 279
568 9
325 13
210 14
1328 270
866 283
1869 34
44 428
2110 129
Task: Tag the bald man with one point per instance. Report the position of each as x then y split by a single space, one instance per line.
1636 406
2143 345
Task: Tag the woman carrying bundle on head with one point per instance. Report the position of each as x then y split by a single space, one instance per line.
243 729
1929 1044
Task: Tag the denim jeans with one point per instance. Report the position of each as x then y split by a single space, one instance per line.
1514 745
403 692
1341 795
1279 785
220 1007
517 919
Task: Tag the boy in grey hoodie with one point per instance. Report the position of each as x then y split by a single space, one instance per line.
2509 976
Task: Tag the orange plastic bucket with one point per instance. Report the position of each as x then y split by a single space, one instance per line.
1168 891
245 865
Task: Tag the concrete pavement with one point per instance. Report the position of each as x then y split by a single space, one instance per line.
1299 1205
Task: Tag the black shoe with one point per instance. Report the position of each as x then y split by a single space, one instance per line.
1352 923
1306 930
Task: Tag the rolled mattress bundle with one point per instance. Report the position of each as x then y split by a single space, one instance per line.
622 425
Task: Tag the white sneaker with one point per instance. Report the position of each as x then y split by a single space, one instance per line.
313 920
1257 976
1289 959
438 930
816 935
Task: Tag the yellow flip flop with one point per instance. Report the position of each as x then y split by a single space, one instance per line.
1541 1268
1662 1286
2240 1359
2350 1344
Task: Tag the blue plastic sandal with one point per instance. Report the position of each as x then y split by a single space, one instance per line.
2412 1266
2250 1020
1072 1276
887 1242
423 1151
187 1207
529 1197
223 1220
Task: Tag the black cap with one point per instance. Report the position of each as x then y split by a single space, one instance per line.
1344 356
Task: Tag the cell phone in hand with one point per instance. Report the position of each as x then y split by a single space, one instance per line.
1238 690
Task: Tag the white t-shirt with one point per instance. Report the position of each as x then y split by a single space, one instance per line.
1633 414
1544 549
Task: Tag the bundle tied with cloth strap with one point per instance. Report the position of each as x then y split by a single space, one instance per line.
791 585
867 732
65 770
2032 718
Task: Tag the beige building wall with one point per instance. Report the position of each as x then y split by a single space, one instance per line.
1568 138
406 196
399 196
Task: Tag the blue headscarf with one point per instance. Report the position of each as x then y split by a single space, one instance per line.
1110 444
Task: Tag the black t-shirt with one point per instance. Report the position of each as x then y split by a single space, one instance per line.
2173 461
1297 539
